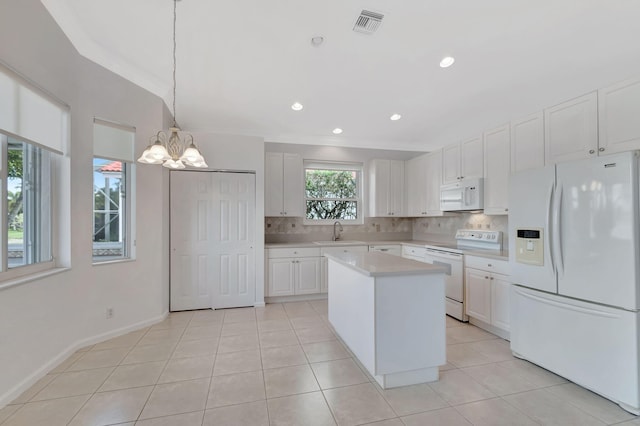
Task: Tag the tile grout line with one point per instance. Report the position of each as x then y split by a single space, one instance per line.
163 370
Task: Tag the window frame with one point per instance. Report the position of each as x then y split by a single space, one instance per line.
336 166
19 271
115 141
128 225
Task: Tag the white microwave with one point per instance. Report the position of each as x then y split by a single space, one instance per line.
468 194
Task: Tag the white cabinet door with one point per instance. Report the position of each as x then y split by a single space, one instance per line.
433 167
496 170
324 275
396 187
284 184
571 129
281 277
462 160
273 184
527 143
307 275
379 171
500 290
386 188
293 185
619 117
471 164
417 186
451 164
478 294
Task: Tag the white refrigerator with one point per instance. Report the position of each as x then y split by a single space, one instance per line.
574 241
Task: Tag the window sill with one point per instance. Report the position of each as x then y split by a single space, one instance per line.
13 282
114 261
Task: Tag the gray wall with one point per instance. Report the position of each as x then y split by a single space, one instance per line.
44 320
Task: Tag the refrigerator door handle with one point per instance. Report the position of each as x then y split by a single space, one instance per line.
549 224
557 231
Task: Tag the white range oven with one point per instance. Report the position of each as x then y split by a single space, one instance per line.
451 258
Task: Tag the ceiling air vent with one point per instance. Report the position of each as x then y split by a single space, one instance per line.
368 22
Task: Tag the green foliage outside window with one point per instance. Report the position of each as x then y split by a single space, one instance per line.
331 194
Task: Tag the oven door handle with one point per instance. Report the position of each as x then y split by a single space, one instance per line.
442 255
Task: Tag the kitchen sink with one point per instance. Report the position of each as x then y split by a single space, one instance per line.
339 243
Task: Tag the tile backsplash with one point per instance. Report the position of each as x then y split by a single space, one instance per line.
444 228
293 229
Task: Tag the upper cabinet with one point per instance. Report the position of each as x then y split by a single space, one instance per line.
284 184
424 177
619 114
496 170
462 160
571 129
527 143
386 188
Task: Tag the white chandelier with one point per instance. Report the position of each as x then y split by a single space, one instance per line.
173 152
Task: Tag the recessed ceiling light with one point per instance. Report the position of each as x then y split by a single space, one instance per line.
317 40
337 131
395 117
297 106
447 61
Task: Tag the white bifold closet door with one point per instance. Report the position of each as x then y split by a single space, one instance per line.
212 240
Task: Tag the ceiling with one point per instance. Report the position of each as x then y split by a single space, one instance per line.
242 63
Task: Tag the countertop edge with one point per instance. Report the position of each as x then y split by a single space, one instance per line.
346 260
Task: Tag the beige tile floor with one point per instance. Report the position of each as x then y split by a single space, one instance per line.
282 365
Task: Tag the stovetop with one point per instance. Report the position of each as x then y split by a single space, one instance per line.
471 239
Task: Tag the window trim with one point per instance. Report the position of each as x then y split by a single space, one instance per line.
339 166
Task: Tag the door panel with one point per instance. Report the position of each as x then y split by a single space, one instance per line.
308 276
234 231
190 241
599 230
529 196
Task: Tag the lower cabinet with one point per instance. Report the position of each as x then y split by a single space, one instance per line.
291 276
487 291
293 271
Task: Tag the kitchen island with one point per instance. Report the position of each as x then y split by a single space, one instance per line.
390 312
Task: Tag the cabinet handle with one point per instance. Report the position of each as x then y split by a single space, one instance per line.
489 265
486 278
492 278
601 149
506 210
591 151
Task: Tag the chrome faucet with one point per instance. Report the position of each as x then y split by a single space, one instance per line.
336 236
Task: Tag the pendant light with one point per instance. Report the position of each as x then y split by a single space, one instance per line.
172 151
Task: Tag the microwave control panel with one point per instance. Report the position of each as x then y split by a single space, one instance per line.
529 246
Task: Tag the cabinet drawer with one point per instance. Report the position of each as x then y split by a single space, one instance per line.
276 253
385 247
486 264
344 249
414 251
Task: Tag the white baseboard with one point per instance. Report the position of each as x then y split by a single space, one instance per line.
491 328
29 381
298 298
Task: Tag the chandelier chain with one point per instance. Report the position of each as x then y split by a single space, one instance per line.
175 2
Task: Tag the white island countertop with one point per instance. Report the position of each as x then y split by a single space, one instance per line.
375 264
